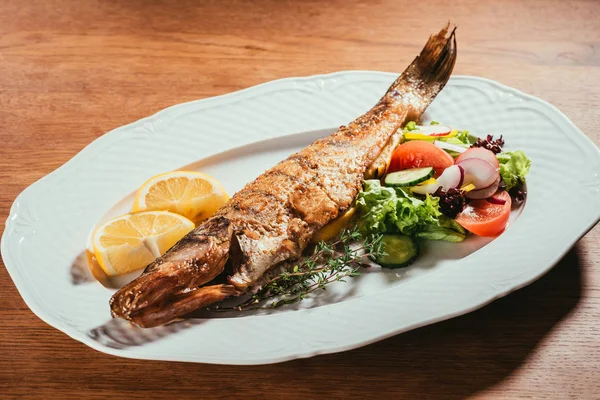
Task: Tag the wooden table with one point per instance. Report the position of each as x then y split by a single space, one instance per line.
73 70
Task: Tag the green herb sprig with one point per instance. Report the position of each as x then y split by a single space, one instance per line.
328 263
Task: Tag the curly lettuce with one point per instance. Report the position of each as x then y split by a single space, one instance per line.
392 210
410 126
514 166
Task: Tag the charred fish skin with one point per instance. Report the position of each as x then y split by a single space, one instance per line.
273 218
193 261
322 180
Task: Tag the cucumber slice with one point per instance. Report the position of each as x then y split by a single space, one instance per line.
400 251
409 177
440 233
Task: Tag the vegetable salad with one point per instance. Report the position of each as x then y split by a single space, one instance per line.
441 184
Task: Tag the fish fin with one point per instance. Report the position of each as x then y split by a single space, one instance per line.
184 304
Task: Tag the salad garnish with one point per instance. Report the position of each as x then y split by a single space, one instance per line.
327 263
495 146
514 166
452 201
442 184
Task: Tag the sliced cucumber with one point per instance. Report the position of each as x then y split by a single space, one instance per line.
409 177
400 251
440 233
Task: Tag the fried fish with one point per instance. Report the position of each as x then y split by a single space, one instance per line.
272 219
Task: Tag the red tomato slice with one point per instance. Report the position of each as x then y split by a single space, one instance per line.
417 154
484 218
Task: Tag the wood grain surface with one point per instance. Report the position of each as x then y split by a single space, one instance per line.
71 70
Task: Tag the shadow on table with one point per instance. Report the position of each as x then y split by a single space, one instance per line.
453 359
459 357
120 334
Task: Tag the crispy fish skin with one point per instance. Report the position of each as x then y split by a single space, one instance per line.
273 218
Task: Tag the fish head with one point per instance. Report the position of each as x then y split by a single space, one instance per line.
171 281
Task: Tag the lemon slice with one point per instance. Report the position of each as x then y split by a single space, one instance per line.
132 241
194 195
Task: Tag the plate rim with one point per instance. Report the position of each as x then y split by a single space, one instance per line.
54 321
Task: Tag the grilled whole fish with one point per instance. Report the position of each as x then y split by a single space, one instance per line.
273 218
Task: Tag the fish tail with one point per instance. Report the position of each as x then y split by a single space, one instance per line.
436 61
429 72
414 90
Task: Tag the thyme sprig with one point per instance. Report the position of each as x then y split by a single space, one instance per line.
328 263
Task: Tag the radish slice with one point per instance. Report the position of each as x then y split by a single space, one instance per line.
450 146
434 130
485 192
462 176
478 172
426 189
451 177
480 153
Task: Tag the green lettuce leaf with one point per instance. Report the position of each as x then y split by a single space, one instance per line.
385 209
514 166
377 205
446 229
391 210
463 137
410 126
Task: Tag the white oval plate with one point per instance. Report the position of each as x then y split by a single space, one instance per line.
49 221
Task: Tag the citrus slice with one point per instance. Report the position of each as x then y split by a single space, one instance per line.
132 241
194 195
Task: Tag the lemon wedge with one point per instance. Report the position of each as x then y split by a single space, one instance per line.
132 241
194 195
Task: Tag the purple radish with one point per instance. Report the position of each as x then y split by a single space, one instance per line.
485 192
434 130
480 153
426 189
478 172
451 178
496 200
